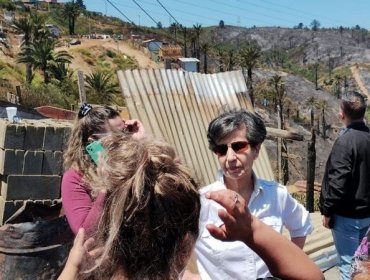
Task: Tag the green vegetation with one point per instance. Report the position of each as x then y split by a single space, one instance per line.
367 114
301 197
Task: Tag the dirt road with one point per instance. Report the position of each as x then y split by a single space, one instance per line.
142 59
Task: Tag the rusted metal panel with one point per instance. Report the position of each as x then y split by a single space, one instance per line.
178 106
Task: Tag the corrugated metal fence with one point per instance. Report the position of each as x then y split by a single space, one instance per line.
178 106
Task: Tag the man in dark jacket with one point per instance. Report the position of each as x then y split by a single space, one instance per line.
345 191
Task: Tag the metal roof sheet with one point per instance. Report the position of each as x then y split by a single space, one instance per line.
178 107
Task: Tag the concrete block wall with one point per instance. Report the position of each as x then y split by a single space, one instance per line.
31 155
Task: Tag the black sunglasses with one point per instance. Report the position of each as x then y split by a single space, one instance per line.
239 146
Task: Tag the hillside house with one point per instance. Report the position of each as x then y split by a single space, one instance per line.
8 16
169 51
54 30
189 64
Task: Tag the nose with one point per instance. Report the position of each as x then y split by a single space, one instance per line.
230 154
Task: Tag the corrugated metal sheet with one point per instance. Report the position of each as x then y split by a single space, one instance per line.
178 106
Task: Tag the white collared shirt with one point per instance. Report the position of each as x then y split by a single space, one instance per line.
272 204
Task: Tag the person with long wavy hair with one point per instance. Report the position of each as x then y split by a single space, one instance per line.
83 206
150 219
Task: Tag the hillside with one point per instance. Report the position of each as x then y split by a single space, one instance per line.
341 58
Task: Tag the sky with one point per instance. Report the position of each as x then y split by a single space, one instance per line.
245 13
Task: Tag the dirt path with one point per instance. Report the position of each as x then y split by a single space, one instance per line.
360 83
142 59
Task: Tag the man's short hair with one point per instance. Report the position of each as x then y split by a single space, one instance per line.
353 105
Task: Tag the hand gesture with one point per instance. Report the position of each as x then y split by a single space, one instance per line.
136 128
237 218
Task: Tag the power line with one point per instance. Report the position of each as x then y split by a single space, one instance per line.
153 12
168 12
183 12
156 22
299 11
261 14
121 12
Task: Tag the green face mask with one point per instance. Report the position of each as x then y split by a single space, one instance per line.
94 149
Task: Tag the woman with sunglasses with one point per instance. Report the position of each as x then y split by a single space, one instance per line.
236 137
81 205
151 221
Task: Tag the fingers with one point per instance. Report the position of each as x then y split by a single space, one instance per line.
79 239
230 200
136 128
89 244
228 219
217 232
96 253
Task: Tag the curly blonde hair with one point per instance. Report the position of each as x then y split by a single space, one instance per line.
151 216
76 157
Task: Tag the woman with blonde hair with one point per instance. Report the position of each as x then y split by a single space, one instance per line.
150 220
151 214
81 205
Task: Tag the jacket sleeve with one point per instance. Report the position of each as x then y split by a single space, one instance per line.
336 179
80 208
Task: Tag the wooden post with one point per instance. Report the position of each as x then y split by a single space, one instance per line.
19 94
311 161
279 152
81 86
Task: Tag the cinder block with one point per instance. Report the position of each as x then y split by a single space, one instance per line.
22 187
67 133
53 138
52 163
33 162
11 135
8 208
11 161
34 137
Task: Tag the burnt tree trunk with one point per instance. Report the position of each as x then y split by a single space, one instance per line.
311 161
284 161
323 123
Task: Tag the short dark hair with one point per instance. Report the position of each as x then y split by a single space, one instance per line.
232 120
353 105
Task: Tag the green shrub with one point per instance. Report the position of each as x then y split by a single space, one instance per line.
84 52
301 197
111 54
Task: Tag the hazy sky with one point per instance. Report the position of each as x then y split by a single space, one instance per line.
284 13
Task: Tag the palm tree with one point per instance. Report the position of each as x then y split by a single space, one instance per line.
101 87
71 11
198 30
205 47
39 31
41 55
173 29
279 93
184 32
3 42
25 25
249 57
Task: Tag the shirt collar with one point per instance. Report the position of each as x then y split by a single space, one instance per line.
257 184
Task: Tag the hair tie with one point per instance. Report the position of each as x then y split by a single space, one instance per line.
84 109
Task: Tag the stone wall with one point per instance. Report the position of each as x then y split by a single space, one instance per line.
30 162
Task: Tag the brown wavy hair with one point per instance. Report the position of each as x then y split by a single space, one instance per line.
75 156
150 220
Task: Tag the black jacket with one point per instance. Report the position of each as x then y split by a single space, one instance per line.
345 189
